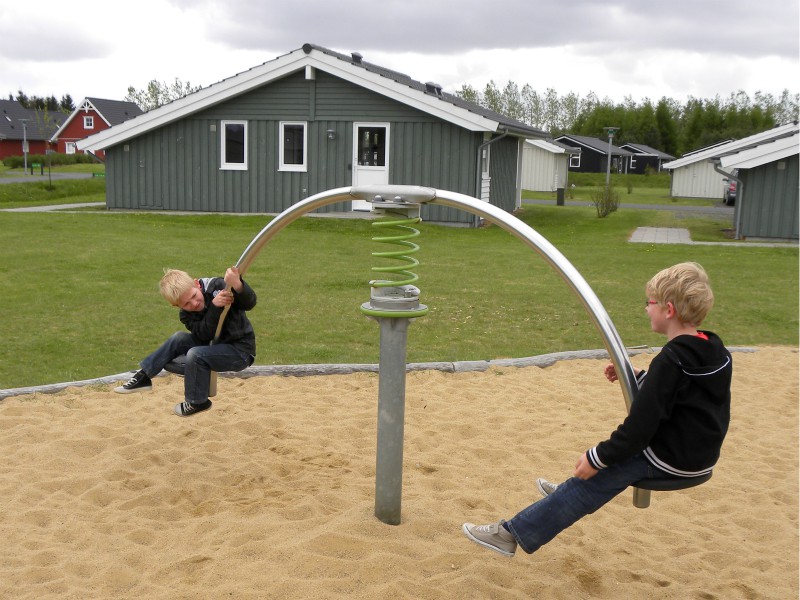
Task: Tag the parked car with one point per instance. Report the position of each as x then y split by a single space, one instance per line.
730 190
730 193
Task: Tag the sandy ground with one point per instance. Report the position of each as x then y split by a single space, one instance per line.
271 493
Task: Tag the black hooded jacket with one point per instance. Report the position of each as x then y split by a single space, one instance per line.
237 329
680 413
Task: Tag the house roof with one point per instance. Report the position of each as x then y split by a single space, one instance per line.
715 152
553 146
648 150
40 125
113 112
427 97
593 144
763 153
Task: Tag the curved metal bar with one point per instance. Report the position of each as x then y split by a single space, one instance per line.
616 349
417 194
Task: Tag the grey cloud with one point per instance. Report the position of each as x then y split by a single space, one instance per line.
732 27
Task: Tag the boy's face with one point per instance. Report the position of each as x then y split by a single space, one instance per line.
657 315
192 299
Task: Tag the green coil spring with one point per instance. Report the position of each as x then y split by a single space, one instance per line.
405 233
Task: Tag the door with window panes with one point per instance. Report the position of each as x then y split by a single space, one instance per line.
370 157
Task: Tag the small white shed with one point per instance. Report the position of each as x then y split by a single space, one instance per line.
545 165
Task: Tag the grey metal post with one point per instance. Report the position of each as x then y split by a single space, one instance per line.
391 419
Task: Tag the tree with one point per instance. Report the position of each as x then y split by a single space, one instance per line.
158 93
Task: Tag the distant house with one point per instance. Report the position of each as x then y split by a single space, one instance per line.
309 121
693 175
594 155
19 125
92 116
767 201
545 165
643 156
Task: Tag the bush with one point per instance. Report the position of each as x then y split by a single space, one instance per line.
55 159
605 200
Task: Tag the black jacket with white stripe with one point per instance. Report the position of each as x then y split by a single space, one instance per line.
680 413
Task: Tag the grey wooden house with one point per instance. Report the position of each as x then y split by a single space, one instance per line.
305 122
768 176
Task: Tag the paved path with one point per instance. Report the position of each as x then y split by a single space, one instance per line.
677 235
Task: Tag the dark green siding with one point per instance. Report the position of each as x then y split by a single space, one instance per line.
503 171
177 167
769 205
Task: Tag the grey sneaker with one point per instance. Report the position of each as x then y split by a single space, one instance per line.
494 536
185 409
140 382
545 487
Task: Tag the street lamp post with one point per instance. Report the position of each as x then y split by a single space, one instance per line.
25 144
610 131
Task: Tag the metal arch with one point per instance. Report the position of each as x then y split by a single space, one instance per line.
423 195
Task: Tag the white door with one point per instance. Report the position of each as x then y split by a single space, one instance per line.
370 157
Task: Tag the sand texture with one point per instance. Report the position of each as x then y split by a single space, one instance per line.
270 494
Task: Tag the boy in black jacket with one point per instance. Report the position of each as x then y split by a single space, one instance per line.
675 427
201 302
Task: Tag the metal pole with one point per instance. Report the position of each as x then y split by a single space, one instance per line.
25 145
611 131
391 419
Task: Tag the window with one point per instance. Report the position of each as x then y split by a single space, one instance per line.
88 122
69 148
234 145
292 149
575 161
372 146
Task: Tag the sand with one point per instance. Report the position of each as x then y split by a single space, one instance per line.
271 493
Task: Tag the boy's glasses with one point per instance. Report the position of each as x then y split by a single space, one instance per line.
649 302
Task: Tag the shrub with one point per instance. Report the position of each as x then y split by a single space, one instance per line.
605 200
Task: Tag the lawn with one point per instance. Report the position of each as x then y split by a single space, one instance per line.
85 301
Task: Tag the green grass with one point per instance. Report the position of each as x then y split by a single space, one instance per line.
62 191
82 298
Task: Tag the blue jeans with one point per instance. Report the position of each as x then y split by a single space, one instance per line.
201 359
536 525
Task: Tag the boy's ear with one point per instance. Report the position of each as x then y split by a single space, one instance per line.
197 284
670 310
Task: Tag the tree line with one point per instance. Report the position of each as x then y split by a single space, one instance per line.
44 103
667 125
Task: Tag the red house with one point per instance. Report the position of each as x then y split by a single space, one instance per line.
93 115
20 126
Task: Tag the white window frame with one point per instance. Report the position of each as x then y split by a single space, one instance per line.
283 166
232 166
88 122
575 161
69 147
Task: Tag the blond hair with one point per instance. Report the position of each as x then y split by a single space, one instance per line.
686 285
174 284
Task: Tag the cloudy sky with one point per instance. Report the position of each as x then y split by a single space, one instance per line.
613 48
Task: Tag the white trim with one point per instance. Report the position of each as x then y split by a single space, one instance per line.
276 69
231 166
730 147
762 154
283 166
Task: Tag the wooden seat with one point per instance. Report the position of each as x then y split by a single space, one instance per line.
670 484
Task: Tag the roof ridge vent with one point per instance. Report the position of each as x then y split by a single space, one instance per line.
357 57
433 88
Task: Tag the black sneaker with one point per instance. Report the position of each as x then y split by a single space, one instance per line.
138 383
186 409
